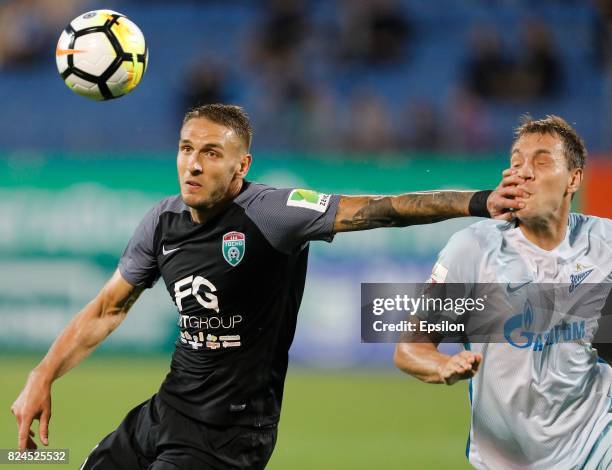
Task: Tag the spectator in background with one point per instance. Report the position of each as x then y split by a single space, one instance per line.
23 33
469 125
283 91
603 47
373 32
421 128
370 128
488 69
539 73
535 74
321 129
602 31
283 30
206 84
28 27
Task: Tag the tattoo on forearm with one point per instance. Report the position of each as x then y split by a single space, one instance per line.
129 301
407 209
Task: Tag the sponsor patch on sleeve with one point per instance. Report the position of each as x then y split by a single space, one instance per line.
439 273
308 199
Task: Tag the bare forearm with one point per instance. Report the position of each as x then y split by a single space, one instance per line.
367 212
80 337
421 360
89 328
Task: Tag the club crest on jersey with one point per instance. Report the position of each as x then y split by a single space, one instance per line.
234 245
576 279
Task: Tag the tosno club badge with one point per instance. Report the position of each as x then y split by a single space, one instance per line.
234 244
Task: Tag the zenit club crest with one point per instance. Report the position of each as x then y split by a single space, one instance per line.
234 244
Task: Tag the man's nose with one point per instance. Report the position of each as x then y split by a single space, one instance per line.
194 166
525 171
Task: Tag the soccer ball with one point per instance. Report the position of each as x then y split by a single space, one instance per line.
101 55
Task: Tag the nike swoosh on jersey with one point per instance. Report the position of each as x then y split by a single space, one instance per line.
513 288
167 252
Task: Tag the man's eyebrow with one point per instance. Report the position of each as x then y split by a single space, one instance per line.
537 152
209 145
213 145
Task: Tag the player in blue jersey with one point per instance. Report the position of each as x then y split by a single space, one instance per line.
537 404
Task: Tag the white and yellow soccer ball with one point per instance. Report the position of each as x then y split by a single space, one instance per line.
101 55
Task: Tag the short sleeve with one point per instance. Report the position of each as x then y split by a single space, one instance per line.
138 264
454 275
290 217
458 260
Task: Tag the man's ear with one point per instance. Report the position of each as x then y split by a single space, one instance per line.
244 165
575 179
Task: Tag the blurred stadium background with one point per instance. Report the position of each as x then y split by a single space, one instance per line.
351 96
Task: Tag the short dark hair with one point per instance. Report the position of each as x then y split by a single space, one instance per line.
573 145
228 115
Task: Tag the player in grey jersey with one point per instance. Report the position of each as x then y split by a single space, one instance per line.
233 257
537 404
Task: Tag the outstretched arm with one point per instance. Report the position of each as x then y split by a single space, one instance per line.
367 212
81 336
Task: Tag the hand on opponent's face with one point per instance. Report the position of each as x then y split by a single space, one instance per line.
507 196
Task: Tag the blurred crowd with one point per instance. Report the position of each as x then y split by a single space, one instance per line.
27 27
295 109
296 75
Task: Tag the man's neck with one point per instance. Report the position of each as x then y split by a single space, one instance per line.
203 215
547 233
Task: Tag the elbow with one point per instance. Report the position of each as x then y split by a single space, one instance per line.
401 359
108 312
413 362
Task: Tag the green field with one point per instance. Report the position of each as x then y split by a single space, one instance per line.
331 420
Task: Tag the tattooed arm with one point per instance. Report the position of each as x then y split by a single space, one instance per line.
367 212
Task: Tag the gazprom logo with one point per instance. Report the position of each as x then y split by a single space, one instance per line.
576 279
518 332
521 322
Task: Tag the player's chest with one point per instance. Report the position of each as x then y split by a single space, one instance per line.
216 251
524 265
228 251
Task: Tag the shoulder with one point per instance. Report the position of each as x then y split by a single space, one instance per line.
470 246
590 229
480 234
253 193
591 223
150 220
462 257
170 204
258 197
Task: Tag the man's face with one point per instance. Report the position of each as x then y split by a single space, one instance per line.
209 162
540 160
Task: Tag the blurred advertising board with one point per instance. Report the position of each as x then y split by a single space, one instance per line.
65 220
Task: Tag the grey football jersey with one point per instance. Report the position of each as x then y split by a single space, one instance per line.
237 282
